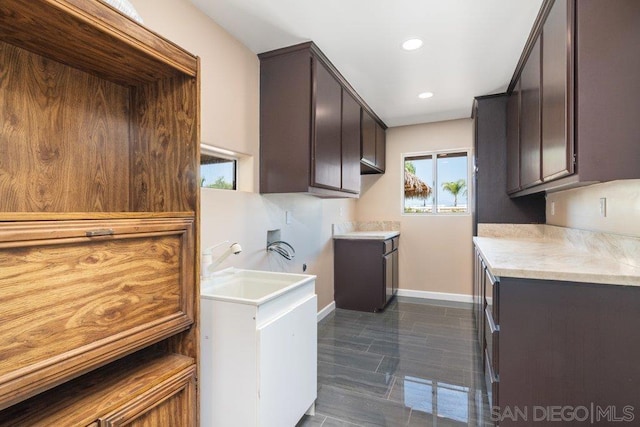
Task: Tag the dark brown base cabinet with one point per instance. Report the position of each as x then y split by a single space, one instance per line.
555 344
365 273
574 98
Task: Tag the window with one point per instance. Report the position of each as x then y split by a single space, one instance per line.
216 170
436 183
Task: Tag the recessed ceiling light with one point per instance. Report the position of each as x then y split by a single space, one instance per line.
425 95
412 44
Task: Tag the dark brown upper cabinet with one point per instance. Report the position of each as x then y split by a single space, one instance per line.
381 146
491 151
368 140
326 164
310 125
589 96
373 145
530 120
557 134
350 143
513 139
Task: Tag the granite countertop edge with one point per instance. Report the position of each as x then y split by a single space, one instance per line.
546 259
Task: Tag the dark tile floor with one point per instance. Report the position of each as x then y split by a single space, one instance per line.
415 364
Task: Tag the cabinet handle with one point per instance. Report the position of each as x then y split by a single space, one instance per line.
101 232
492 324
490 276
487 363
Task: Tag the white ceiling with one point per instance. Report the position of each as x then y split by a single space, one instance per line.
471 46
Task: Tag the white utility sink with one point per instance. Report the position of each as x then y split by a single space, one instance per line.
258 336
250 286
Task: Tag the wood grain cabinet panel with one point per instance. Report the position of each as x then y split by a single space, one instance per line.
170 403
164 171
126 53
74 295
44 168
99 200
148 388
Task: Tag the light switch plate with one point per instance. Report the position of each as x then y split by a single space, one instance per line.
287 216
603 206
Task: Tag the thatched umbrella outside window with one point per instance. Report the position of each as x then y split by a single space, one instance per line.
414 187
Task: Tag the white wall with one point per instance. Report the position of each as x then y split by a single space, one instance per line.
246 217
230 79
580 208
435 251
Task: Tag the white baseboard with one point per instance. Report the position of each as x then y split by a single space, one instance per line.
442 296
435 295
326 311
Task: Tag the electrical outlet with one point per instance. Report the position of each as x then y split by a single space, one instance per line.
341 211
603 207
287 216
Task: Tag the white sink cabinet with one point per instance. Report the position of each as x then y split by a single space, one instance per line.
259 349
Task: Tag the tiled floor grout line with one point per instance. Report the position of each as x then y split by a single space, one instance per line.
393 384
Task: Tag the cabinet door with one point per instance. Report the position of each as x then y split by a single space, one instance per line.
396 271
381 138
480 301
368 139
513 140
71 290
171 403
476 286
326 162
287 365
557 141
530 120
350 143
388 276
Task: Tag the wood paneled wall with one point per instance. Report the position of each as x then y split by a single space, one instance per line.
60 150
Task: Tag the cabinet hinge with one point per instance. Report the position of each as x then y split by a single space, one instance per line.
574 159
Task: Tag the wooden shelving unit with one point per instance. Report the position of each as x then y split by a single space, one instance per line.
99 217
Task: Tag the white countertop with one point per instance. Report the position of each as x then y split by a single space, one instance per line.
371 235
549 259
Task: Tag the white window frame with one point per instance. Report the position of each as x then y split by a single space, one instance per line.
434 154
